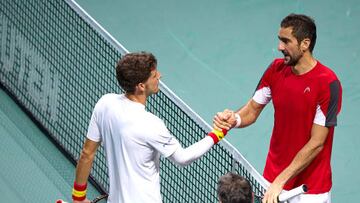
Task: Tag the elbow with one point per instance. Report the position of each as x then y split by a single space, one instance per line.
182 163
180 158
86 156
253 120
316 149
319 148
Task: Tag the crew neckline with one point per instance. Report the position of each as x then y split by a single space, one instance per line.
307 73
133 102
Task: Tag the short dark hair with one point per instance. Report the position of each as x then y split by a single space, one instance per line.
303 27
134 68
233 188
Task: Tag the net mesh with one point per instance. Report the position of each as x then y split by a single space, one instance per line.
58 65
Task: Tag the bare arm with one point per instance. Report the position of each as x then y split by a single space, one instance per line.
85 161
248 114
301 160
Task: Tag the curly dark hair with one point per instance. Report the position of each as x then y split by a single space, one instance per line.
233 188
303 27
134 68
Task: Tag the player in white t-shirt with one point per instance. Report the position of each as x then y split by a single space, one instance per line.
133 138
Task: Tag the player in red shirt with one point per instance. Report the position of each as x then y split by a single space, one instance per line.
306 96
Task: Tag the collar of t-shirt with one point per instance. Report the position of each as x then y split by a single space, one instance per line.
137 104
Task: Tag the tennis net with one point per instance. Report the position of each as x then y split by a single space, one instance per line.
57 62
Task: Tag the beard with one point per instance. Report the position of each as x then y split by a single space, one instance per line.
150 90
291 60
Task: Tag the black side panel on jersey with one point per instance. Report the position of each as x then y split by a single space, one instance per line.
331 117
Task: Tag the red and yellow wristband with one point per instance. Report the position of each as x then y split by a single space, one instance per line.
79 192
217 135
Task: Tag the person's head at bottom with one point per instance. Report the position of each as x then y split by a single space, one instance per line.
233 188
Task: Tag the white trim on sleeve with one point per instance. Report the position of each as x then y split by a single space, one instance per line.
263 95
320 118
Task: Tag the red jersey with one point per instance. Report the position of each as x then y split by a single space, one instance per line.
300 101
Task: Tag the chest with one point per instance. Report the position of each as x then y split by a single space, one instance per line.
294 94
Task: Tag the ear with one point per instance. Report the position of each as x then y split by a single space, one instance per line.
305 44
140 87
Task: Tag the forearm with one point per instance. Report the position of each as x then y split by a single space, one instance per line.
246 117
302 159
249 113
188 155
306 155
86 159
83 168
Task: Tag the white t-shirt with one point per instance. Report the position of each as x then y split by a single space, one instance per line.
133 139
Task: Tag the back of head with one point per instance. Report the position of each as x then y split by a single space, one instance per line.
134 68
233 188
303 27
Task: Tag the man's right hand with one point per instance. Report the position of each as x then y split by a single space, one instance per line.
224 120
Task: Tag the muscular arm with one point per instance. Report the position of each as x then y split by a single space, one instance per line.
301 160
85 161
188 155
248 114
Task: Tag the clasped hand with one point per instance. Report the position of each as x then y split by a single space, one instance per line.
224 120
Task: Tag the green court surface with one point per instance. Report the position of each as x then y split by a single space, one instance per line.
212 54
32 169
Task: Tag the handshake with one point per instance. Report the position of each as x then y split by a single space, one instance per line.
223 122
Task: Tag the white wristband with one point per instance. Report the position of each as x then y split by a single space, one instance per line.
238 120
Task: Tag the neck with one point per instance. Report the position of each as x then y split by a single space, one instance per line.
139 98
306 63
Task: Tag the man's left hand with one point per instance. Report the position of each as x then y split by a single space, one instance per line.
272 193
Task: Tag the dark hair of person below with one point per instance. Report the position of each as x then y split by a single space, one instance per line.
233 188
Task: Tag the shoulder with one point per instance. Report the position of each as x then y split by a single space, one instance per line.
275 68
277 65
153 120
278 62
153 126
110 97
107 100
328 84
325 74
